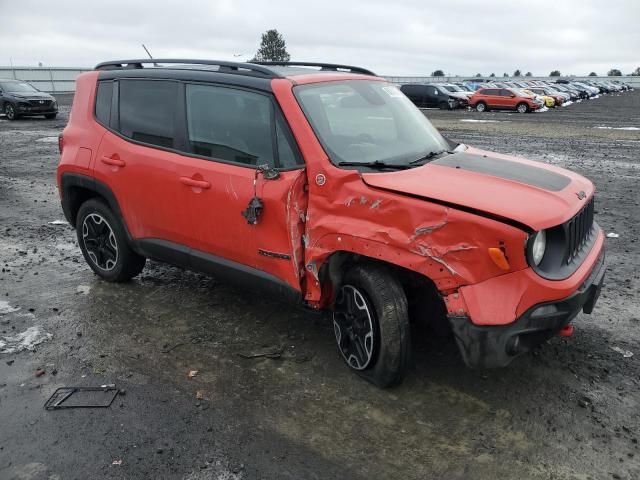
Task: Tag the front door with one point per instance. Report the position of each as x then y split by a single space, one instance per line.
230 133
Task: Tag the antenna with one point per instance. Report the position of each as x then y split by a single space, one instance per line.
145 49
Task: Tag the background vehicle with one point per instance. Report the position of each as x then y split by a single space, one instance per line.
21 99
503 99
434 96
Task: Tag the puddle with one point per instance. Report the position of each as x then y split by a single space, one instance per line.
6 308
48 140
619 128
479 121
26 340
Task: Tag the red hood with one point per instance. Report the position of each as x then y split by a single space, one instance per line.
534 194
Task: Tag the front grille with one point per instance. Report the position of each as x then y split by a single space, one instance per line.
578 230
37 104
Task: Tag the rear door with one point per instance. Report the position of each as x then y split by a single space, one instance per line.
230 132
415 94
135 159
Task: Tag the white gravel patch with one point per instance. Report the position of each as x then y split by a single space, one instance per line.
26 340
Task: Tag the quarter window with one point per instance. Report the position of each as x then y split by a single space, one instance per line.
230 124
103 102
148 111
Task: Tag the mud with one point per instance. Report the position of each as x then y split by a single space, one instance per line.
570 410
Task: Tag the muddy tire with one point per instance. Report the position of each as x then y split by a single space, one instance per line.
444 106
481 107
104 244
522 107
371 324
10 111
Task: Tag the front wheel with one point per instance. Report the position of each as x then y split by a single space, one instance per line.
50 116
522 108
481 107
10 111
104 245
371 325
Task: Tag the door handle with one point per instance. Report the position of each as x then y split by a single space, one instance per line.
114 161
203 184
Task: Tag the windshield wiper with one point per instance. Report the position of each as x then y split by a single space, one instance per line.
428 156
375 164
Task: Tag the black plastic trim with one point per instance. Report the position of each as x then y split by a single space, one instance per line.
234 272
497 346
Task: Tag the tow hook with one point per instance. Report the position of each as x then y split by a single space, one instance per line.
566 331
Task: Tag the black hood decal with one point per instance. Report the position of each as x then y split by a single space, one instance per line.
497 167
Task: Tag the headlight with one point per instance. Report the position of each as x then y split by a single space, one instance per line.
539 246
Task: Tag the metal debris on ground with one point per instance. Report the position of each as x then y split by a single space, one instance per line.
624 353
612 235
192 373
82 397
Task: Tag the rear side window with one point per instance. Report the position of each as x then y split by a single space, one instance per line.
230 125
103 102
148 111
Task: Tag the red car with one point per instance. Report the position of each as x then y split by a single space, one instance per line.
324 185
504 99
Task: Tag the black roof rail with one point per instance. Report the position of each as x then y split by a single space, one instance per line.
323 66
225 66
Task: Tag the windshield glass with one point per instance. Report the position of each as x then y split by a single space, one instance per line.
453 88
17 87
368 121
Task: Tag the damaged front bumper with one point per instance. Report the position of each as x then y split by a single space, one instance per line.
495 346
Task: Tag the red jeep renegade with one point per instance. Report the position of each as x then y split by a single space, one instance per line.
323 184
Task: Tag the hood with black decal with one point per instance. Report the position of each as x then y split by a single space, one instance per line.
531 193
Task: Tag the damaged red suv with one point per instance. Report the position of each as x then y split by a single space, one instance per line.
324 185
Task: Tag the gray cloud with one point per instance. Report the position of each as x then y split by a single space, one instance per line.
402 37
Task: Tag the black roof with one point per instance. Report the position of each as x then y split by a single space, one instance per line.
252 75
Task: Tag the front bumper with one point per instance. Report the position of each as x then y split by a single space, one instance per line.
495 346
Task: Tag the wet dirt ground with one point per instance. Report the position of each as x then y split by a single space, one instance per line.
570 410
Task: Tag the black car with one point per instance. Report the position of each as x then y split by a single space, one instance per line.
434 95
20 99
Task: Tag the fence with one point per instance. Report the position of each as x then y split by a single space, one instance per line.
47 79
62 80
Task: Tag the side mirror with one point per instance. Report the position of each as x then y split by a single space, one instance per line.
267 172
512 95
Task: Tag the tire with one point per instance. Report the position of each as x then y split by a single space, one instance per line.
444 106
522 107
481 107
373 301
104 244
50 116
10 111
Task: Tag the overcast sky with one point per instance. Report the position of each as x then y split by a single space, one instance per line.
400 37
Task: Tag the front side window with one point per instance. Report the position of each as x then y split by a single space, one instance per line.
148 111
230 124
366 121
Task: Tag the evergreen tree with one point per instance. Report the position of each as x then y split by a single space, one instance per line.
272 48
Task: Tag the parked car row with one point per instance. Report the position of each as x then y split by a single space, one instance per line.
522 96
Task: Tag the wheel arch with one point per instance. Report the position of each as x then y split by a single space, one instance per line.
76 189
422 292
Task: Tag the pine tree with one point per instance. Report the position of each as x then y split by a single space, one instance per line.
272 48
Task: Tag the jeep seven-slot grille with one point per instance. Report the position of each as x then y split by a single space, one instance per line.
578 230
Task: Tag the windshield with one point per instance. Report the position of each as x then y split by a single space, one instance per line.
363 121
453 88
17 87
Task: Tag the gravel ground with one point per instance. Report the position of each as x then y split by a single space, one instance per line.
570 410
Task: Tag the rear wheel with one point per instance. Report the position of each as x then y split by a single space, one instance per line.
371 324
522 108
481 107
104 245
10 111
